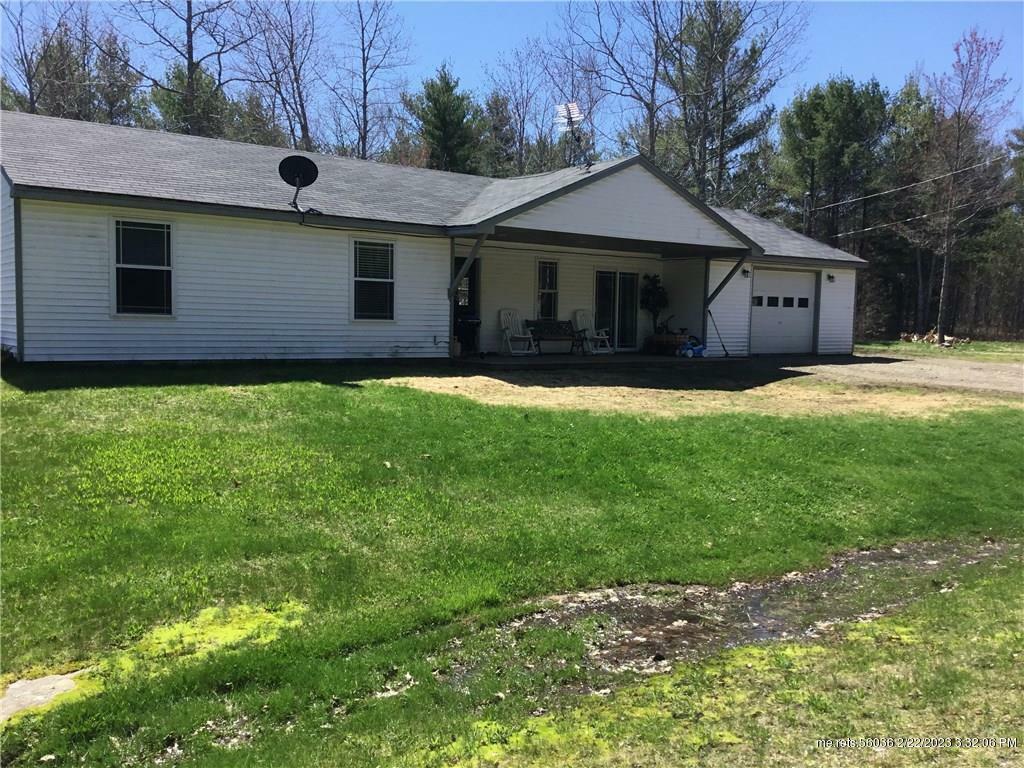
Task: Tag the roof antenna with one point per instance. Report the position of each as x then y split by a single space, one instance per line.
568 118
299 172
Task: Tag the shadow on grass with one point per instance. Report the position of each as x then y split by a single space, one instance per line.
735 374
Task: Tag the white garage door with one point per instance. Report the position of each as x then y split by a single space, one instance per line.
782 312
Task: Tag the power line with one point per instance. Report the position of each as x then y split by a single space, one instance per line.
904 221
915 184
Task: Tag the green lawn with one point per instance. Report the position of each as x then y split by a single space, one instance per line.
988 351
135 497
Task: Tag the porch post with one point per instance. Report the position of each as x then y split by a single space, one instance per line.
465 266
710 297
474 253
725 281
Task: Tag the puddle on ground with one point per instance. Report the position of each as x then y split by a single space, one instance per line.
648 628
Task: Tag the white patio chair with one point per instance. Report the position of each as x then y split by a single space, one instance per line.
518 340
595 340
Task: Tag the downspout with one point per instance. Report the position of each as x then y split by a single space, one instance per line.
474 253
19 282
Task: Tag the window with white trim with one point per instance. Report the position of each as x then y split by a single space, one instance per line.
374 280
142 266
547 290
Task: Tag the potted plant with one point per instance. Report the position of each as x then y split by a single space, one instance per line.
654 300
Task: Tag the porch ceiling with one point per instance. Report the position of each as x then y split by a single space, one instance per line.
602 243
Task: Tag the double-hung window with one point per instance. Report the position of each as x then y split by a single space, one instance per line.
374 287
547 290
142 266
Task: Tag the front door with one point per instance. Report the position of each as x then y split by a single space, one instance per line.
615 306
467 306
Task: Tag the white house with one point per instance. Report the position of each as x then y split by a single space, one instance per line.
127 244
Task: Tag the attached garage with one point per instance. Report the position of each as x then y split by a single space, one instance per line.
782 309
801 297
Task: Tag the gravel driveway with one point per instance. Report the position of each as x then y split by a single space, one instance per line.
1007 378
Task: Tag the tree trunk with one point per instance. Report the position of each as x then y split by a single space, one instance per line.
189 97
723 109
947 244
922 295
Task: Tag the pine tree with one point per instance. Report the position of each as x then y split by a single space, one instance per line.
448 123
210 110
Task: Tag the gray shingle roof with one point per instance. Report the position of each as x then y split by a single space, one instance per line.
71 155
504 195
74 156
777 240
77 156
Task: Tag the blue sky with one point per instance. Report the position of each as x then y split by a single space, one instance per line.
860 39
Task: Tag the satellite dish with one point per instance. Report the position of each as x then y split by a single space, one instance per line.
298 171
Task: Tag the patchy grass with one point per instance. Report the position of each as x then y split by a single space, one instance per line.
950 666
138 497
602 392
183 642
989 351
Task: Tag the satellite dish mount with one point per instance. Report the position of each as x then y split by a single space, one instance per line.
568 118
298 171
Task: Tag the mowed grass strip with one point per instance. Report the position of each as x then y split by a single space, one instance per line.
145 495
987 351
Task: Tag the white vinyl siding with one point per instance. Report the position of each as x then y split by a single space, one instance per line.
508 276
243 289
835 319
632 203
731 311
8 297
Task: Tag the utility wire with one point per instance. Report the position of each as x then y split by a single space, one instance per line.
904 221
915 184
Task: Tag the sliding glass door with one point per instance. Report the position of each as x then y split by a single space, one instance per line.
629 284
616 302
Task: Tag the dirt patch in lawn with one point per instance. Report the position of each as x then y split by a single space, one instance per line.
648 628
603 392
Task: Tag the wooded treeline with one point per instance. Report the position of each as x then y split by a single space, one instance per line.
920 182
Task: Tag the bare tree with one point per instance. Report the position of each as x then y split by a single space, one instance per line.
573 74
366 85
970 101
197 37
30 39
518 78
283 58
626 44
